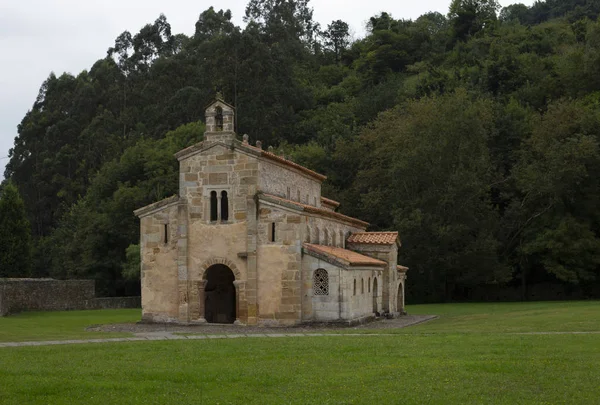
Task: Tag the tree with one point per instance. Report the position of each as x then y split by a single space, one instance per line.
471 16
15 234
515 12
337 37
554 216
425 169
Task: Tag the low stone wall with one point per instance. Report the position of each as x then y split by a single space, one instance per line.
18 295
113 303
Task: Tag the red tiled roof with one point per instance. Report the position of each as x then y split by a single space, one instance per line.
374 238
329 202
319 211
347 257
402 269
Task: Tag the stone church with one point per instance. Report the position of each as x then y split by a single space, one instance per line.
251 240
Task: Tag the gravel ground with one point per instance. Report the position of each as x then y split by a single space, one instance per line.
144 328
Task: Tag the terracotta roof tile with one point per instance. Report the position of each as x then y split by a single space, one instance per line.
374 238
329 202
402 269
347 257
320 211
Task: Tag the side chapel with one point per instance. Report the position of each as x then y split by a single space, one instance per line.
251 240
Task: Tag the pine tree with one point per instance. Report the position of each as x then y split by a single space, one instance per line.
15 234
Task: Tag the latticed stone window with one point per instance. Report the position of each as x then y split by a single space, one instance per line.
321 282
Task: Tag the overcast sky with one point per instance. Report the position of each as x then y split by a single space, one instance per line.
42 36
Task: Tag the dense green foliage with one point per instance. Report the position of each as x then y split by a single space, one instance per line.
473 354
15 234
474 134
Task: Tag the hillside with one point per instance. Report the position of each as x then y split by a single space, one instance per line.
475 134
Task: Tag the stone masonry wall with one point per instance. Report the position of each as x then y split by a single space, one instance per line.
279 285
286 183
282 274
388 284
160 297
18 295
219 168
321 308
359 302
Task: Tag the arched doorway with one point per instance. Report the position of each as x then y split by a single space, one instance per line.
375 293
400 301
219 295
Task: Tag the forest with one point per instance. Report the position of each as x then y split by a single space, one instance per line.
475 134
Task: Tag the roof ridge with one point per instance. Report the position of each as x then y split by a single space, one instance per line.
346 256
316 210
375 238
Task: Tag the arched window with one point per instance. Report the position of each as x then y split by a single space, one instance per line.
362 285
317 235
214 213
369 286
321 282
224 206
333 239
326 237
218 119
354 290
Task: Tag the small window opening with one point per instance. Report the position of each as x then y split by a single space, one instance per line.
307 200
321 282
298 192
272 232
224 206
315 201
219 119
326 238
288 193
362 285
354 290
166 235
214 214
333 239
369 286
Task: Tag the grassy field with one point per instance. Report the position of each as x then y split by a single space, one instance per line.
34 326
510 317
473 354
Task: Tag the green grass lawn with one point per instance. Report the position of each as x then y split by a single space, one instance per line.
34 326
473 354
580 316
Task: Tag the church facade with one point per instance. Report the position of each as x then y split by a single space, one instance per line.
250 240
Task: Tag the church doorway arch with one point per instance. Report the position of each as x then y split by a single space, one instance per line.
400 302
219 295
375 293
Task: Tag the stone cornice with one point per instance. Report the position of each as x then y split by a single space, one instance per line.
157 206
